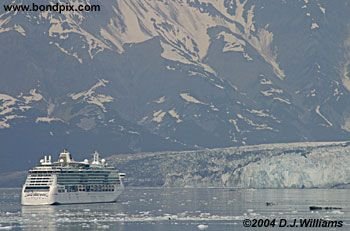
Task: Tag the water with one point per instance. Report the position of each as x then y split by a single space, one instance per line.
181 209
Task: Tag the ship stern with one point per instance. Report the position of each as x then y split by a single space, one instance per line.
44 195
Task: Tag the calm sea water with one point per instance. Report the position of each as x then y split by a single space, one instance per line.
181 209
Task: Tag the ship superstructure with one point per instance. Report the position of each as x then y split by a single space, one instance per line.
67 181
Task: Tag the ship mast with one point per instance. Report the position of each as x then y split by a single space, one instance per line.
96 159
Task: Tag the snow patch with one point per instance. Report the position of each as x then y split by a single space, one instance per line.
11 107
170 68
24 108
34 96
174 114
196 73
322 9
160 100
312 93
4 122
70 53
214 108
317 110
19 29
91 97
314 26
219 86
6 104
143 120
134 132
271 92
253 124
265 82
100 100
47 120
260 113
4 27
286 101
100 83
234 122
247 57
158 116
188 98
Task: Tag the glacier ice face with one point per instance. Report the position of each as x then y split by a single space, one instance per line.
297 165
322 167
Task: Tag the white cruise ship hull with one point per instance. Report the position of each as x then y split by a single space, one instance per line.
71 182
54 198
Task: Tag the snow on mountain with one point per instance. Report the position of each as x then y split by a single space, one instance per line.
183 28
294 165
12 108
4 19
174 114
322 116
175 74
7 102
158 116
314 25
160 100
47 119
181 25
34 96
190 99
91 97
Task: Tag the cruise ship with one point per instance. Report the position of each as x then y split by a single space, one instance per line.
70 182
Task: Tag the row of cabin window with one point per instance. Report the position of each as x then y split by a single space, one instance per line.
87 188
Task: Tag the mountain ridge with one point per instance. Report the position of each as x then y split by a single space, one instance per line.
174 75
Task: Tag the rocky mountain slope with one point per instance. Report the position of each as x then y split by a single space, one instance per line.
162 75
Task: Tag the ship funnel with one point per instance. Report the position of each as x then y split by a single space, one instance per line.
65 156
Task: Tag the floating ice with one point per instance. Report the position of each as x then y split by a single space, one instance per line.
337 212
6 227
202 227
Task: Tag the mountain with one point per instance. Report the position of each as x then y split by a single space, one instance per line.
159 75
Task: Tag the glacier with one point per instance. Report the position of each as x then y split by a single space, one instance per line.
288 165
